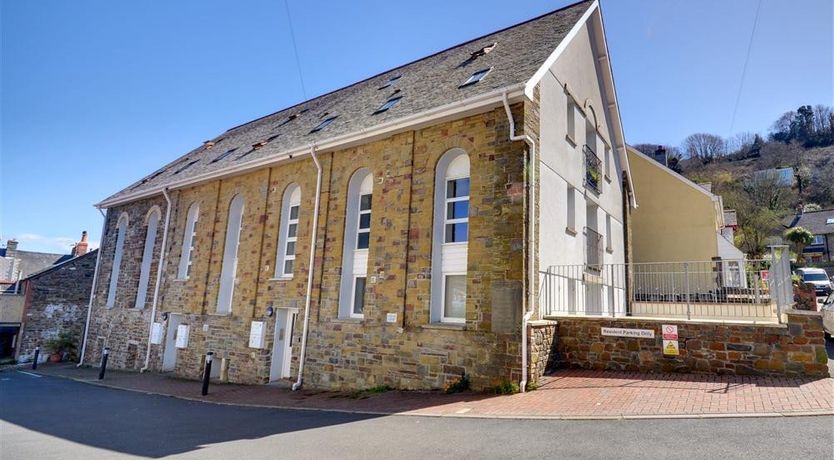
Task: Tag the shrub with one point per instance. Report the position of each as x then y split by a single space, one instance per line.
457 385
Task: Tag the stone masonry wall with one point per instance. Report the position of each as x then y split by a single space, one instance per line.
342 354
541 337
793 349
56 301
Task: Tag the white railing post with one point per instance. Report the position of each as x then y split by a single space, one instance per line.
688 300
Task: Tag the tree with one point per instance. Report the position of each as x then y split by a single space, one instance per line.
741 142
800 237
781 129
705 147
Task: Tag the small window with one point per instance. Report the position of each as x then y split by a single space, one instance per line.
570 117
388 104
363 232
454 298
571 217
457 210
819 239
188 241
323 124
390 81
187 165
224 155
829 221
476 77
472 57
609 244
288 237
358 307
289 119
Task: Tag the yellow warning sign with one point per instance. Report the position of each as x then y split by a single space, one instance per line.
670 347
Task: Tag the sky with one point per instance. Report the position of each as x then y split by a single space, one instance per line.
96 94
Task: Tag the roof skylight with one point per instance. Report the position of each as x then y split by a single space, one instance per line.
388 104
390 81
830 220
289 119
476 77
323 124
187 165
224 155
478 54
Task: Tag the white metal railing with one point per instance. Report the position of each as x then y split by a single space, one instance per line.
754 290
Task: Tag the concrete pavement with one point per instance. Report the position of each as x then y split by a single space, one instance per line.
48 418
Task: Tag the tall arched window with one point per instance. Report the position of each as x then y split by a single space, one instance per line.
288 235
121 231
152 223
230 250
188 239
357 241
450 238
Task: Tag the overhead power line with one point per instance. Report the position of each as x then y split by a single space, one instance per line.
744 68
295 50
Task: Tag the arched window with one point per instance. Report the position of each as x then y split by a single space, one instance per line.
188 240
450 238
357 241
229 268
288 235
121 230
152 223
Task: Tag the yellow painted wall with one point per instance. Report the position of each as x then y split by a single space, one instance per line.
674 220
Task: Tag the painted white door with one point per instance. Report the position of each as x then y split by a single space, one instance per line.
169 356
282 345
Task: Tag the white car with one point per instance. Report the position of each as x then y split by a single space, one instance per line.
828 315
818 278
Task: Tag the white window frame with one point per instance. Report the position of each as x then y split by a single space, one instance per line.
459 220
188 239
292 198
152 224
354 260
819 239
363 212
121 234
454 164
353 313
231 247
609 244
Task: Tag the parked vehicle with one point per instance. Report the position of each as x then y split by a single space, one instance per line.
818 278
828 315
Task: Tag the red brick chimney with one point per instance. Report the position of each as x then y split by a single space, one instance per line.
80 247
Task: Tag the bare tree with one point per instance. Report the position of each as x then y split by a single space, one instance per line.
740 141
822 118
705 147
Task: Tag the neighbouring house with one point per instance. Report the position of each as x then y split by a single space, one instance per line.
16 266
390 232
730 224
821 224
780 176
679 227
56 301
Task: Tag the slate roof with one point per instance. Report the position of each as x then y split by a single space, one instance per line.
30 262
67 260
424 84
814 221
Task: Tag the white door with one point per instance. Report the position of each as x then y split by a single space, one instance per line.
169 357
282 345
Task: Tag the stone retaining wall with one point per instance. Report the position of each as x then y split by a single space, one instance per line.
796 348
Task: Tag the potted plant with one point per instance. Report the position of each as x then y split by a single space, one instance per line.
63 347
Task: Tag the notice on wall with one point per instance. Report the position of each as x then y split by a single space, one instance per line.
391 318
156 333
256 335
182 336
622 332
671 348
670 340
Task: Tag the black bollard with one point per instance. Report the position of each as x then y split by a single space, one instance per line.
35 361
103 363
207 372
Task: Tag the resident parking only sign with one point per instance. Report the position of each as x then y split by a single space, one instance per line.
670 340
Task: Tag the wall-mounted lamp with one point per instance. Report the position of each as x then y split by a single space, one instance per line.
269 311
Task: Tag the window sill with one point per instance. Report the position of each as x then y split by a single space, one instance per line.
179 280
570 140
281 278
221 315
445 326
570 231
348 320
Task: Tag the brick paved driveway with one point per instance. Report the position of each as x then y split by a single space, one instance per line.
565 394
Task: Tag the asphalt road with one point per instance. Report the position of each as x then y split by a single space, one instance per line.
46 418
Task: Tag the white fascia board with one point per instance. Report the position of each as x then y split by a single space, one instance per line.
548 63
454 110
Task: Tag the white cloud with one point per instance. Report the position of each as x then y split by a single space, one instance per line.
41 243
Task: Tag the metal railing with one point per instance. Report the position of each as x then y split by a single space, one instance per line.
593 250
593 173
716 289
